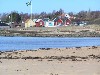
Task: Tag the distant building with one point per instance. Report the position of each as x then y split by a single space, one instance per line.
39 23
63 20
46 19
34 20
17 25
2 21
4 26
66 21
29 23
58 21
49 24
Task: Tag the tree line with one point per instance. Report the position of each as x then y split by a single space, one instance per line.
93 17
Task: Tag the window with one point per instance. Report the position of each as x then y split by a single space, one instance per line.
40 23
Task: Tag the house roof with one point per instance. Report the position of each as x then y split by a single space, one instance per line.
27 20
62 18
34 20
3 24
65 18
46 19
57 19
38 20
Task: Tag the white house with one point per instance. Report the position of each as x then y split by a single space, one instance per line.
49 24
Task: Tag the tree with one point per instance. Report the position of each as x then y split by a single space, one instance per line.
3 16
14 17
61 11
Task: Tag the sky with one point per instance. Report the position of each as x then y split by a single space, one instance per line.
38 6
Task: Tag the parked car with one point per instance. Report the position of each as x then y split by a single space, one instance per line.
81 23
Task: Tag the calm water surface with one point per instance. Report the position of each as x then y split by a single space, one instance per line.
29 43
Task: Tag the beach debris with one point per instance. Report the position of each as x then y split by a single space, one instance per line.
53 74
0 61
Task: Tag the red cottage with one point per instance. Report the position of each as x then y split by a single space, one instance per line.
58 21
67 22
39 23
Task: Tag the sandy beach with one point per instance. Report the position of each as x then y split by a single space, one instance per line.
63 61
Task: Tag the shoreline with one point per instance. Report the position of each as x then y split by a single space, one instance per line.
79 34
15 53
67 31
49 48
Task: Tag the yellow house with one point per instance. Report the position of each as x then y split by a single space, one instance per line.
29 23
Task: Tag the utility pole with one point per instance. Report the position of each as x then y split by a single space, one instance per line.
30 3
31 13
11 17
31 9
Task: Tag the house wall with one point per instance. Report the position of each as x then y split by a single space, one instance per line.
55 23
30 23
68 22
20 25
59 21
49 24
40 23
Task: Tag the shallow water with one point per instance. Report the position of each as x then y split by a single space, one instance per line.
29 43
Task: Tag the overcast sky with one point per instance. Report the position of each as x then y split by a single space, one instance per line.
48 5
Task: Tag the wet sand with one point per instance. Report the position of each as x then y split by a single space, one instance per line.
64 61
